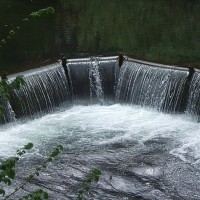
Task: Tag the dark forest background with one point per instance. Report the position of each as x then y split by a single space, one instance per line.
163 31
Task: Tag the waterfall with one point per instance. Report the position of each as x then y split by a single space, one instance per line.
155 87
9 114
45 89
100 80
93 79
52 86
96 90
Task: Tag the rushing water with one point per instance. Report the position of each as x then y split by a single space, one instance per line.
156 87
43 90
143 154
96 89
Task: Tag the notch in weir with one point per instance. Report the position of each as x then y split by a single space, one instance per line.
120 59
64 65
185 94
191 73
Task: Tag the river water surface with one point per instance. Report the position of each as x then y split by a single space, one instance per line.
143 154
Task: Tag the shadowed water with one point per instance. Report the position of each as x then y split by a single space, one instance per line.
143 154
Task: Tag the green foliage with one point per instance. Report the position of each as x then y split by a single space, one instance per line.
93 177
17 83
7 167
2 110
55 153
40 13
12 32
36 195
161 31
43 12
2 192
25 149
6 87
7 173
3 41
25 20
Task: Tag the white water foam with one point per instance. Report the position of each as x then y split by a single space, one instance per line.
99 125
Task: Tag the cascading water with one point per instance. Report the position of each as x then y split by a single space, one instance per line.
96 90
142 153
145 85
43 92
93 79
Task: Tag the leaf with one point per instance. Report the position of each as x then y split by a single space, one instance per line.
3 41
2 110
11 173
43 12
7 181
50 159
25 20
31 176
18 82
38 168
28 146
45 194
11 32
60 147
2 192
94 176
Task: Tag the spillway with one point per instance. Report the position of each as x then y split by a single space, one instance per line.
136 123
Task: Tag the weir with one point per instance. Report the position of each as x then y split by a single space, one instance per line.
93 79
153 86
45 89
136 148
9 115
101 80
